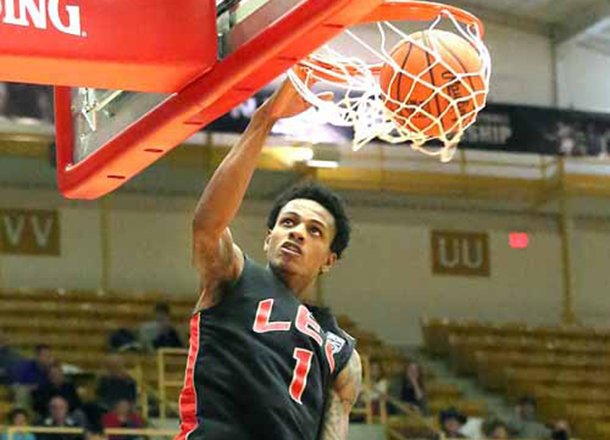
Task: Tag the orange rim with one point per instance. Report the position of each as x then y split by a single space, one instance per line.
421 11
333 73
389 11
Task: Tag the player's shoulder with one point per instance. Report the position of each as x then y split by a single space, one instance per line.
254 267
250 270
253 277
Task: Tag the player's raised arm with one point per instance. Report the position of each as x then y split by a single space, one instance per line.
215 256
343 396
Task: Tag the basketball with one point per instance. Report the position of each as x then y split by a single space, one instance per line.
440 98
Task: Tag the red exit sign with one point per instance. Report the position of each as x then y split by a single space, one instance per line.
518 240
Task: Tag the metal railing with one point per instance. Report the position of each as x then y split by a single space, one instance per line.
163 383
404 410
146 432
137 374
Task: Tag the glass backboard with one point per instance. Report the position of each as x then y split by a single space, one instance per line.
106 136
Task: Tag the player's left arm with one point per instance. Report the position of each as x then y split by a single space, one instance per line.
343 396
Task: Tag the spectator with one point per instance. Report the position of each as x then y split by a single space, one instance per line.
18 417
160 332
122 340
451 421
29 104
91 411
116 384
413 388
524 424
30 374
59 416
4 101
9 360
380 385
122 416
495 429
34 372
561 430
57 385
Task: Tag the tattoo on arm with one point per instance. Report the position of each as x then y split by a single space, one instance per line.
341 400
336 419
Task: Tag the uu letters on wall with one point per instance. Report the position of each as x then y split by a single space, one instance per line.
460 253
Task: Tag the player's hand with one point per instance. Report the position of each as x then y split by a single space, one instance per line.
287 101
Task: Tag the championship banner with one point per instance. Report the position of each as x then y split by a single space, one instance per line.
29 232
499 127
539 130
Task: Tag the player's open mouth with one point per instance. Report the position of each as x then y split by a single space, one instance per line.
290 248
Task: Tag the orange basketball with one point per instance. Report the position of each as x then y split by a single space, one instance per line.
433 114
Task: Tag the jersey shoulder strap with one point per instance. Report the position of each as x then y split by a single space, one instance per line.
342 343
343 347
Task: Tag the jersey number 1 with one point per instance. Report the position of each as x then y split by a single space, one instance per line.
306 325
300 373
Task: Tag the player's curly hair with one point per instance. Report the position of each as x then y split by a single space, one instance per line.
325 197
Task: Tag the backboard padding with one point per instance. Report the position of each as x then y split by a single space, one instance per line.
256 56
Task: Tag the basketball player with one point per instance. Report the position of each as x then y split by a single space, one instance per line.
262 365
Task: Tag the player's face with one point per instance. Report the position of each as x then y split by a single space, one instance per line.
300 241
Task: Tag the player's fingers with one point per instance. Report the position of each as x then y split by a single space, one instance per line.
300 71
304 74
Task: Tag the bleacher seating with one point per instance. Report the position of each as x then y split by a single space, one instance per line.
565 368
5 404
440 395
76 325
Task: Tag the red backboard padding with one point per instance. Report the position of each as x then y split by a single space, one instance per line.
138 45
233 79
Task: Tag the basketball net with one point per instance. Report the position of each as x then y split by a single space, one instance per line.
360 101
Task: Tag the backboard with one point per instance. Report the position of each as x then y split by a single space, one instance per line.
106 136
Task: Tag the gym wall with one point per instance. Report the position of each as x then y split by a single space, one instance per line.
385 281
583 78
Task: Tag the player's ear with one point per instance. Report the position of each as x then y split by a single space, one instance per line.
267 239
331 260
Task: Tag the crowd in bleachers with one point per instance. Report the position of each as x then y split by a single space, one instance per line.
409 388
47 392
525 424
562 369
26 103
81 377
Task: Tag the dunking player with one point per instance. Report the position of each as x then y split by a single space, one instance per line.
262 364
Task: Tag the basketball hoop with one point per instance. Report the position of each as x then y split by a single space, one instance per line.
362 103
144 106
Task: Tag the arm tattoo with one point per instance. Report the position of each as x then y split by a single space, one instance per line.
341 399
336 419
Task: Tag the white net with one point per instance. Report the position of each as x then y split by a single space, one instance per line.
440 100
